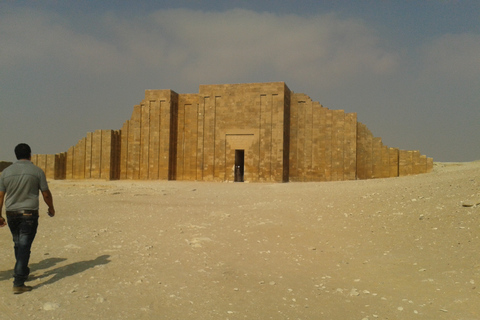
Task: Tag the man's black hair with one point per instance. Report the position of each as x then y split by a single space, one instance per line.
23 151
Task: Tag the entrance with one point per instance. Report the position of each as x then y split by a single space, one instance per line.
239 165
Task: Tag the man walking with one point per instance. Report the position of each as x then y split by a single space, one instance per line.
19 187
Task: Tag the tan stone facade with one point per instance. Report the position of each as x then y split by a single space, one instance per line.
235 132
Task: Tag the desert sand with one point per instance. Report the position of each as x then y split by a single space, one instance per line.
397 248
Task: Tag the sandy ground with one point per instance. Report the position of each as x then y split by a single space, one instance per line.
398 248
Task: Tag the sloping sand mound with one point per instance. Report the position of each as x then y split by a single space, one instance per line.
398 248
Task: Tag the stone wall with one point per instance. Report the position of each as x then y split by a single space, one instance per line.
322 142
244 117
93 157
375 160
52 164
147 149
272 133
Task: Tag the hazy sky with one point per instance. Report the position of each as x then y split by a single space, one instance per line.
410 69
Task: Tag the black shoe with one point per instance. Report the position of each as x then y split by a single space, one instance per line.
21 289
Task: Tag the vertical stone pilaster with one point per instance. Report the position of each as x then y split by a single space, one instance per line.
50 166
294 109
200 139
301 119
79 159
69 170
134 142
308 136
219 141
393 162
429 165
105 154
318 144
209 142
265 147
361 140
154 152
385 168
338 138
168 109
124 151
60 166
95 154
328 144
42 162
181 140
423 164
405 167
144 147
88 156
416 163
286 134
377 157
350 147
187 138
278 136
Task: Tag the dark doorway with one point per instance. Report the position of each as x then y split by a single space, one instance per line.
239 165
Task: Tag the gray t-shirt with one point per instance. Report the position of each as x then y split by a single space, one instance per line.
21 182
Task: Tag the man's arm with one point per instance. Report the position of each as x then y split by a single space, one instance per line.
47 197
3 223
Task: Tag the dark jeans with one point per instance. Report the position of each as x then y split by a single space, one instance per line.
24 229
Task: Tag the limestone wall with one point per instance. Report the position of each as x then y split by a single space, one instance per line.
322 142
375 160
245 117
52 164
147 140
276 134
224 118
93 157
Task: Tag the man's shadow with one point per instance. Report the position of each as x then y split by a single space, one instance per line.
44 264
70 270
58 273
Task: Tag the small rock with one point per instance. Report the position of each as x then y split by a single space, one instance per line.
49 306
470 203
354 292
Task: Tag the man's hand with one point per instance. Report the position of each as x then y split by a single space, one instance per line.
3 223
47 197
